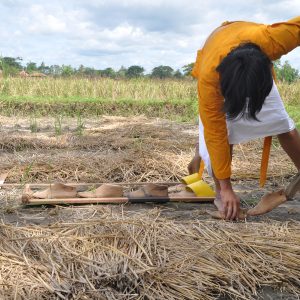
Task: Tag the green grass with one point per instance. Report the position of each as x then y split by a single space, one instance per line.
73 97
184 110
294 113
290 94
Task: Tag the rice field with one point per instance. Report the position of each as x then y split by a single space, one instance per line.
92 131
172 99
99 88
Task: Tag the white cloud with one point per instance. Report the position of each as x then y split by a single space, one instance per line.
103 33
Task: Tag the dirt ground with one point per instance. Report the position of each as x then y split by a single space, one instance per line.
117 149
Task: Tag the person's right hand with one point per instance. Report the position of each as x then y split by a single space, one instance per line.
230 201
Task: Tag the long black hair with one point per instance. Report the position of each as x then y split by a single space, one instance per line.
245 80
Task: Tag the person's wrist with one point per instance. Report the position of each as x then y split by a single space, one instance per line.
225 184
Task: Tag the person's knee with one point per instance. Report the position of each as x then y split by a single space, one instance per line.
290 134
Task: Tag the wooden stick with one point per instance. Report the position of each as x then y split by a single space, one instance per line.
265 160
201 168
122 200
84 184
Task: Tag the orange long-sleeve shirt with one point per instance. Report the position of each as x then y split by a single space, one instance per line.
275 40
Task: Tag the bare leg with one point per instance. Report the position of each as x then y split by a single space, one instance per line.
194 165
267 203
290 142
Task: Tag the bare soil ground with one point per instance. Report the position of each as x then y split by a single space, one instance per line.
117 149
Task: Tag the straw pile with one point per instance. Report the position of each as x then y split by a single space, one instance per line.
120 149
99 254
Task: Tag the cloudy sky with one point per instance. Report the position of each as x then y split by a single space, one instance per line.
112 33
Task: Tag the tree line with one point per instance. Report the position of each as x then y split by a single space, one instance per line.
12 66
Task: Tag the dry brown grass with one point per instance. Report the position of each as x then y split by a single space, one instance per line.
106 252
98 254
128 152
120 149
101 88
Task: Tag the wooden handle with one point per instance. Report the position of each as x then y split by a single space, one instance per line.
122 200
201 169
265 160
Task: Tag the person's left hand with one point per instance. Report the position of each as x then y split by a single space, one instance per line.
231 204
230 201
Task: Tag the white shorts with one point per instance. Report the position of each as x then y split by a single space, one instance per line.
273 119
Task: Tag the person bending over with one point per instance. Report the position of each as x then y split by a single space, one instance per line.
239 100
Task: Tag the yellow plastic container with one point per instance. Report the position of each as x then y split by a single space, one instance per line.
201 189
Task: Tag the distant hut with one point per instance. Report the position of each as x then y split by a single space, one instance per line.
23 74
37 75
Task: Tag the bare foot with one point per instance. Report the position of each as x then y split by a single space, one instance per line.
56 190
267 203
103 191
218 203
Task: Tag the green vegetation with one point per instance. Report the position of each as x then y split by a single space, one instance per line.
162 72
134 72
11 66
58 124
290 94
175 99
84 97
294 113
285 72
33 124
